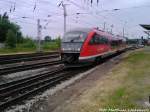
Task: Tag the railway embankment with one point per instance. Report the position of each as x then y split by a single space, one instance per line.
120 82
125 86
61 97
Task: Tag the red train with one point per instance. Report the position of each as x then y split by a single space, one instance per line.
89 45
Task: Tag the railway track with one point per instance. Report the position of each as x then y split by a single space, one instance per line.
17 91
28 66
7 59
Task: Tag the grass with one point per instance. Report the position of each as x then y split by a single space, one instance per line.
135 88
50 46
30 47
127 86
16 50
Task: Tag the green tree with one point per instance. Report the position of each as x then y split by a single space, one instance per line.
5 25
20 38
28 43
11 39
58 41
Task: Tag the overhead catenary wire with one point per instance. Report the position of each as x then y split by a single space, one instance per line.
44 11
24 3
83 13
95 16
111 10
115 9
27 20
86 10
30 6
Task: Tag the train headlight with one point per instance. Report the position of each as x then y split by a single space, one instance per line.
78 49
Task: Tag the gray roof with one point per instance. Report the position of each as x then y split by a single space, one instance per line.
146 26
81 29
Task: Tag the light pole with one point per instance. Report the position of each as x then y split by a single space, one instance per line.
65 13
39 28
112 26
104 26
123 31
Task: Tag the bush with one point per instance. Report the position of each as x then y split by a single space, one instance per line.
11 39
58 41
50 46
28 43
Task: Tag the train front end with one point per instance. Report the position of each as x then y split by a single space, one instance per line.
71 46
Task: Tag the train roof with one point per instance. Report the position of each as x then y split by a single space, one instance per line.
101 32
106 34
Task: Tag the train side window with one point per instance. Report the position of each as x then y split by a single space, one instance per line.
95 40
106 41
114 43
103 40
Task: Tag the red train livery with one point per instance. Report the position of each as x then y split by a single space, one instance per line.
89 45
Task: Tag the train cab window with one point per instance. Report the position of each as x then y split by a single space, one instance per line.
75 36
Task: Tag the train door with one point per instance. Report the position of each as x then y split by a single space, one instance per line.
104 42
99 44
94 45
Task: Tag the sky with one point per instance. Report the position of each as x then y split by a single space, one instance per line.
131 13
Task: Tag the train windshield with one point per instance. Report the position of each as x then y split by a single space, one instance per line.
75 36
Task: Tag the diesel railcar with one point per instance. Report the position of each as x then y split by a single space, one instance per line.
84 45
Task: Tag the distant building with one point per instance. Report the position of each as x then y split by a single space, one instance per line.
147 28
148 41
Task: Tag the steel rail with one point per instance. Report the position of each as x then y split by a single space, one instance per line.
15 60
23 88
11 56
32 89
12 83
28 80
14 69
26 95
